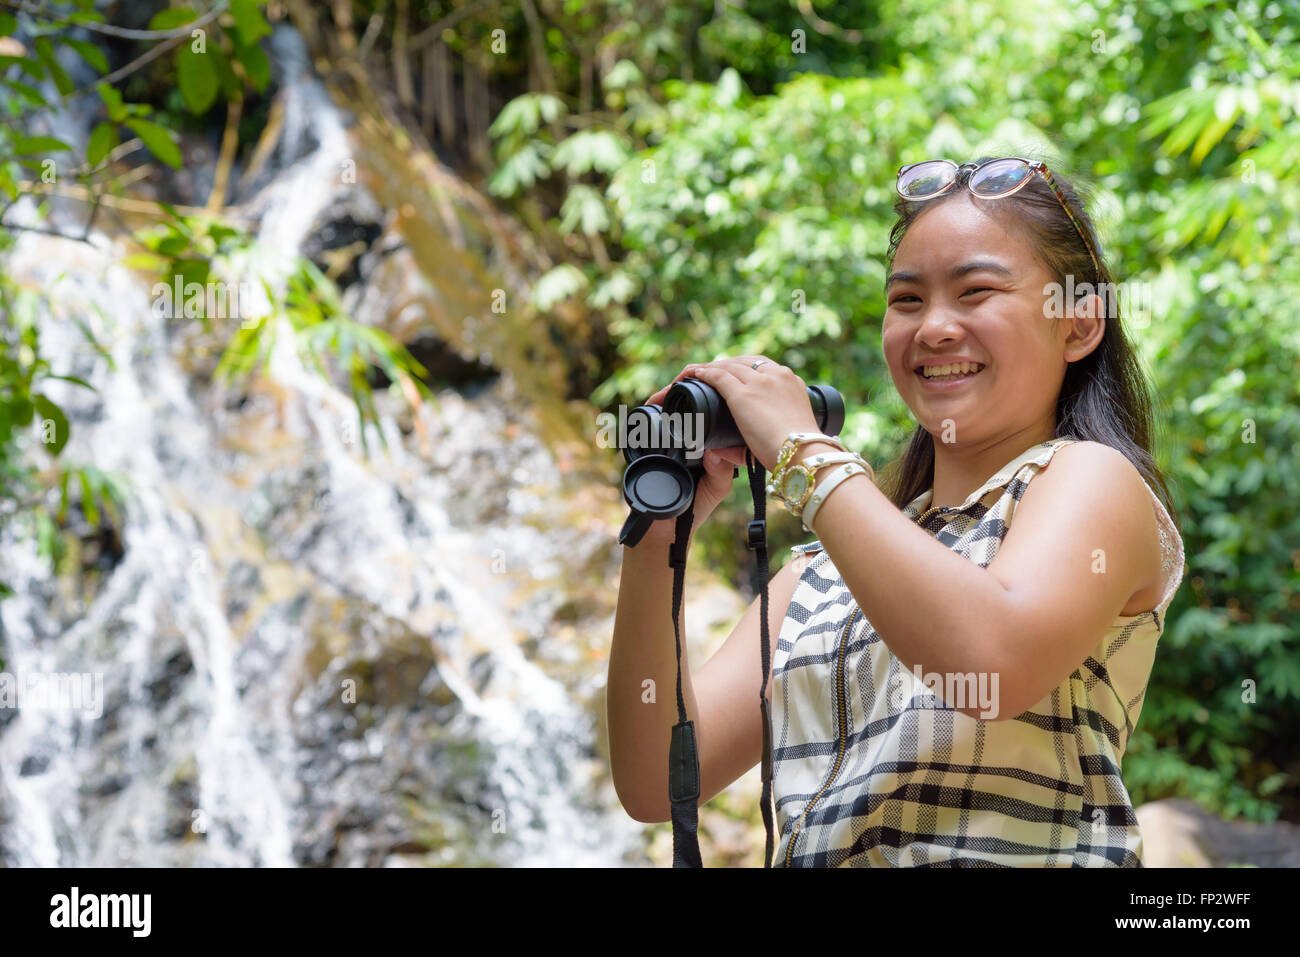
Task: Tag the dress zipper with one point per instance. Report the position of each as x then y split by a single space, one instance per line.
926 513
841 694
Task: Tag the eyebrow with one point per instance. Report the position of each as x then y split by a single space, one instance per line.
956 272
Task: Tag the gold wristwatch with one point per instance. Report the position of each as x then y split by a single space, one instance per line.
794 486
787 450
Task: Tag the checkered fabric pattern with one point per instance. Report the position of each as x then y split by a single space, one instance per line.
871 769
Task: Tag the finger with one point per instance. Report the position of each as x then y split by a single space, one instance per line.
730 362
734 455
686 373
724 378
658 397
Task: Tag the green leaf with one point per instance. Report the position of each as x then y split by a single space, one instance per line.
197 78
601 150
585 207
103 138
23 410
48 410
232 88
256 65
90 53
558 284
87 13
171 18
8 24
27 145
31 67
73 379
159 141
62 515
45 50
624 74
524 114
520 170
249 21
88 498
150 262
7 181
174 245
113 101
47 536
28 92
192 270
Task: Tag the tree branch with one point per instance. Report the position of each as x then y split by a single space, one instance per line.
825 27
45 232
147 57
104 28
434 30
229 144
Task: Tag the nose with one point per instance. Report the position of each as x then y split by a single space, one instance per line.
938 326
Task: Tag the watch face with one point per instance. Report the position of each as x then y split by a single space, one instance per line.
795 486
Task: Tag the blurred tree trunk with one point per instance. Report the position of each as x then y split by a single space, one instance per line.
402 62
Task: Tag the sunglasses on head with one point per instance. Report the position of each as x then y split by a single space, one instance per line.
992 179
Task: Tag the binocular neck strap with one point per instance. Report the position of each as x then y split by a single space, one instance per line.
758 543
683 758
683 755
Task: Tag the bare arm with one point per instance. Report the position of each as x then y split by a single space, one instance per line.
721 699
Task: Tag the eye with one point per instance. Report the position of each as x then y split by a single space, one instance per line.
899 299
978 289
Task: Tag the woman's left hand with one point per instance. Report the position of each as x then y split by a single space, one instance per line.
768 403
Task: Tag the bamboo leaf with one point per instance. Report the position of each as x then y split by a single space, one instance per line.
88 498
47 410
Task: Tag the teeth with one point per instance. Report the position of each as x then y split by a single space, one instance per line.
960 368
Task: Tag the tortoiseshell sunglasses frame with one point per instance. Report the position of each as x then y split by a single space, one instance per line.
1034 166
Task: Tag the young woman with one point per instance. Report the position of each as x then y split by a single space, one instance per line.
963 652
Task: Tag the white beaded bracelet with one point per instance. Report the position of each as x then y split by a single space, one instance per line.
848 470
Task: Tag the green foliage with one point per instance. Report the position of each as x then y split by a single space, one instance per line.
205 66
205 249
217 65
24 409
746 223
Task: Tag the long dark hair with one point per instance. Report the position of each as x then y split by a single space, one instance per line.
1105 396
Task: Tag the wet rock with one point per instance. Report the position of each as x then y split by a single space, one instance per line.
168 678
34 764
1177 832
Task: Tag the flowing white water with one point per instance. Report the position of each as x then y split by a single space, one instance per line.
263 568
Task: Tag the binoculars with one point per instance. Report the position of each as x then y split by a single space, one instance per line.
665 446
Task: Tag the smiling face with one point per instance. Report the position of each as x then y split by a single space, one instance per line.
966 285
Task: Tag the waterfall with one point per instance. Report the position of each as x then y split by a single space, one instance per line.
307 657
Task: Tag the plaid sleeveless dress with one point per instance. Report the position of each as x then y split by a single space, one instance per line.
871 769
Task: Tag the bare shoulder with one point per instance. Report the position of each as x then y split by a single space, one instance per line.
1094 463
1099 484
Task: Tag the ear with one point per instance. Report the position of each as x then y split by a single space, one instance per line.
1087 324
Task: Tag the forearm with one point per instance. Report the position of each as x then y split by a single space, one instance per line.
641 689
931 606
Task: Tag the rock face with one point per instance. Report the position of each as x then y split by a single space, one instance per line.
1180 833
312 655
